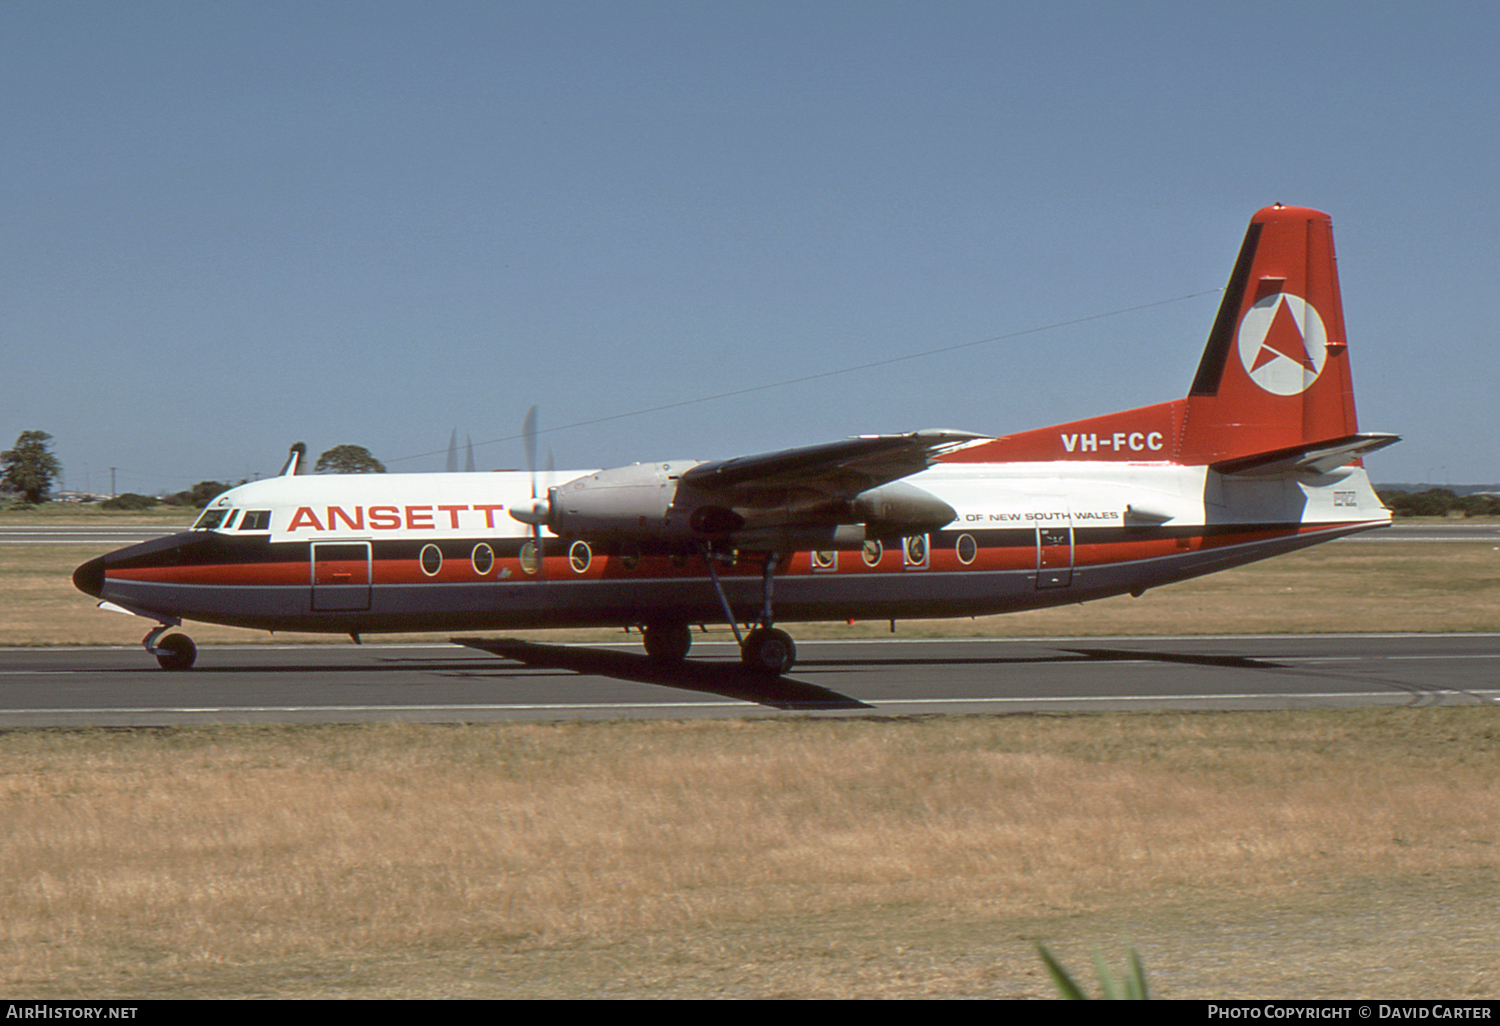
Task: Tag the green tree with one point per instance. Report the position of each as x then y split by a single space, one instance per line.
348 459
200 495
30 466
1434 502
129 500
1479 505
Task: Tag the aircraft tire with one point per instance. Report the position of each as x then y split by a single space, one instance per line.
176 652
768 650
668 643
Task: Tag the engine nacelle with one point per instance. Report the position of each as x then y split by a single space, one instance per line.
625 502
890 511
899 509
649 502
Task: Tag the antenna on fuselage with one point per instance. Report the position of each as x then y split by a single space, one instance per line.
294 460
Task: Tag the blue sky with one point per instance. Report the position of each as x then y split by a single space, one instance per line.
230 226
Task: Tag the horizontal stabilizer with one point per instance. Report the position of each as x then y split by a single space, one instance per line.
1310 458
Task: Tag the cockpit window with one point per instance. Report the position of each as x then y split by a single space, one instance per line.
256 520
210 519
234 515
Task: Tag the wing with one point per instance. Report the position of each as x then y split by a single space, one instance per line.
843 468
775 501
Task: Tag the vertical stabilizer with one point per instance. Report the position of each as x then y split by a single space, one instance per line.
1275 372
295 458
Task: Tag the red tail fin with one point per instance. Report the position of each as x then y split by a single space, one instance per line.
1274 378
1275 373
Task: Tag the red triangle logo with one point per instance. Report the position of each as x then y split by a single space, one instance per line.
1265 356
1284 339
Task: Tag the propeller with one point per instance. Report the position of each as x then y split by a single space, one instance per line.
528 436
536 516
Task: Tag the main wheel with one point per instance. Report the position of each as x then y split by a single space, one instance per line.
668 642
768 650
176 652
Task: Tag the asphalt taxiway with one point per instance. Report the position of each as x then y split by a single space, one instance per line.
445 683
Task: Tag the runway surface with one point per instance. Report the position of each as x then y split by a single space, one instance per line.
445 683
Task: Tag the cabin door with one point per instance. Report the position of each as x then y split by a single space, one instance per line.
1054 541
340 576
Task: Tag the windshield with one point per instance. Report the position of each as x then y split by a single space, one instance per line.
210 519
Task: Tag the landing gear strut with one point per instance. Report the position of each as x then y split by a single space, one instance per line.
765 649
174 652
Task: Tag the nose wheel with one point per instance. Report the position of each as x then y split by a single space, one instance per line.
174 652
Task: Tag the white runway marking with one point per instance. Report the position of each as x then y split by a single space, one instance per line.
1249 696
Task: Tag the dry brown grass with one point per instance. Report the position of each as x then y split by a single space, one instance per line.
757 858
1341 587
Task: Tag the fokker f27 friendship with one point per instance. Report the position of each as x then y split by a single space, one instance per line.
1262 457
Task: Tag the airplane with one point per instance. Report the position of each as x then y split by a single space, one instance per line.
1263 456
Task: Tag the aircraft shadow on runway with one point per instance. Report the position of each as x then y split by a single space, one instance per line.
725 679
1113 654
1061 655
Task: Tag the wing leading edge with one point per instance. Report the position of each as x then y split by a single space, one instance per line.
846 467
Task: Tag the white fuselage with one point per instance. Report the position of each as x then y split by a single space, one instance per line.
410 552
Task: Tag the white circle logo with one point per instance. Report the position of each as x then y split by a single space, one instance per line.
1283 344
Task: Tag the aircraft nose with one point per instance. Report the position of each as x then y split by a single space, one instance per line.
89 578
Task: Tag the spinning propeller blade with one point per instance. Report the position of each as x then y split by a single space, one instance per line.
538 508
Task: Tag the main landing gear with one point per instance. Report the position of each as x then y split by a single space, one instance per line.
174 652
768 650
667 642
765 649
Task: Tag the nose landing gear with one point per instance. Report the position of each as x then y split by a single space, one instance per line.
174 652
